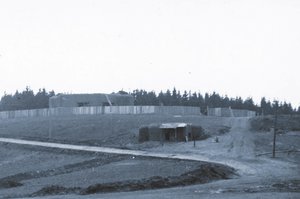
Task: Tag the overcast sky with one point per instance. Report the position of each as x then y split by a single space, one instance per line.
234 47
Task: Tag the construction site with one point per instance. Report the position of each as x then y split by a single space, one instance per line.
150 99
145 152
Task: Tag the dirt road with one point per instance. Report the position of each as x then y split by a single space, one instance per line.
103 149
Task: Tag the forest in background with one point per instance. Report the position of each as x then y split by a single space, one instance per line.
27 99
212 100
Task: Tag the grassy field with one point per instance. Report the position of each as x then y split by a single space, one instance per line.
284 123
100 130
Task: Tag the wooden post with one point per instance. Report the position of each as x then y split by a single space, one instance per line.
50 124
162 137
275 130
111 123
50 127
194 140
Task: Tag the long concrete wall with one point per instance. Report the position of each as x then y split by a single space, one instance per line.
228 112
98 110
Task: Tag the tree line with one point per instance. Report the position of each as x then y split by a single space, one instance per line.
188 98
27 99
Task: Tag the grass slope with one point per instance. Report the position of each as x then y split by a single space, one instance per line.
104 130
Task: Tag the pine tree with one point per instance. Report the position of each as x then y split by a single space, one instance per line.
185 98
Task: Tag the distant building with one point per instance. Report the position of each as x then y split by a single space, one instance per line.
99 99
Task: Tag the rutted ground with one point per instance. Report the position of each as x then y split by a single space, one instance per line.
69 172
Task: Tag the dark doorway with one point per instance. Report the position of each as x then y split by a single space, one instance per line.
169 134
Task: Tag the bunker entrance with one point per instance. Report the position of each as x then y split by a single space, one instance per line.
174 133
169 134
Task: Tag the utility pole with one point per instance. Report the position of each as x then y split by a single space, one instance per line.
50 124
275 129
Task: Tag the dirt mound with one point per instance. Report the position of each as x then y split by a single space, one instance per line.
205 173
292 186
4 184
55 190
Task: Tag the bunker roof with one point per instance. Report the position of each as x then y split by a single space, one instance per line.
172 125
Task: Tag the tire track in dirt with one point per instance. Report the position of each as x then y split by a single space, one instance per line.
15 180
242 141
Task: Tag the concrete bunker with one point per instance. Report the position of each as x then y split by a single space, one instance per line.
84 100
171 132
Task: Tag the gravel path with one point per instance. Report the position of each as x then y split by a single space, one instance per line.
103 149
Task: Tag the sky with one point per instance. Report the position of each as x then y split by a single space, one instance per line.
233 47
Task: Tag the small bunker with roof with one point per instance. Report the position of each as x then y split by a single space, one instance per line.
173 132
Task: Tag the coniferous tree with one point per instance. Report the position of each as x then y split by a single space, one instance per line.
206 100
249 104
185 99
226 102
201 100
168 98
193 100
